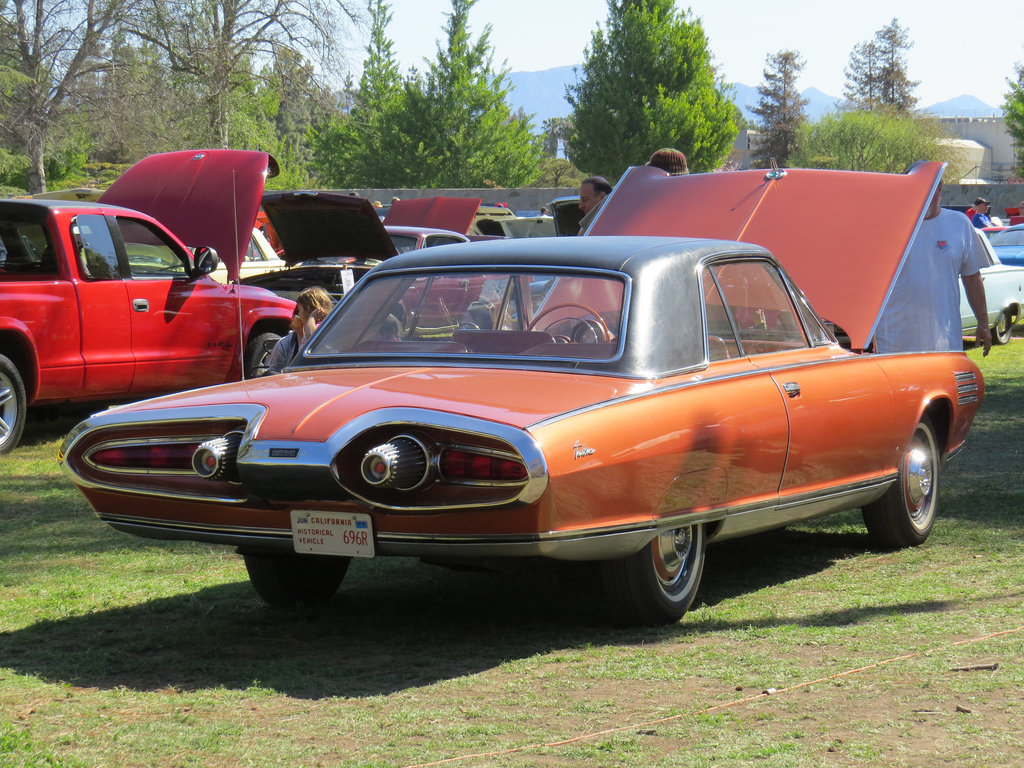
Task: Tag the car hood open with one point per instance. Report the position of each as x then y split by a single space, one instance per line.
452 213
314 225
842 235
206 197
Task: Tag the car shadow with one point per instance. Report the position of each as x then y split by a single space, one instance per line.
395 624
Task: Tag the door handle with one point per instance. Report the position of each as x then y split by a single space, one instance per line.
792 389
140 305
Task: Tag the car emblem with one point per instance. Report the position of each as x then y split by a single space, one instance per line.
580 450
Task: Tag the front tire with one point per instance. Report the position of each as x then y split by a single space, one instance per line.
658 584
285 579
13 405
904 516
257 351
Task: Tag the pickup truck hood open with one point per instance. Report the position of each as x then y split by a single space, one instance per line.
842 235
206 197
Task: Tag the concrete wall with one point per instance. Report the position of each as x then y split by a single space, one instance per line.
526 199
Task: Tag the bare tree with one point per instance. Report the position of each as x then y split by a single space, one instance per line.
216 42
49 48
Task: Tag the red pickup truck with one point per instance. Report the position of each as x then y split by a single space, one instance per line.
100 303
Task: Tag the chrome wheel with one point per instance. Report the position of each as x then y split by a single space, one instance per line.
13 407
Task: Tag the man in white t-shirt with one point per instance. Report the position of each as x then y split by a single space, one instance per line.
923 311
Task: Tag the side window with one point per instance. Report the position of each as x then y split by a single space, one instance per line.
721 338
26 251
759 304
149 254
97 255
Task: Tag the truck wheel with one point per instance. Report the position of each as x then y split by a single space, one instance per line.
256 353
13 405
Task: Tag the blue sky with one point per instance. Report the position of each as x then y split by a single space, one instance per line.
959 48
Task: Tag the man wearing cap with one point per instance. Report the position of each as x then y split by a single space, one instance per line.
981 217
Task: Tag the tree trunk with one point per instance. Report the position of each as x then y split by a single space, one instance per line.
36 167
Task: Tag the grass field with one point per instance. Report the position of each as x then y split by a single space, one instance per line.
805 647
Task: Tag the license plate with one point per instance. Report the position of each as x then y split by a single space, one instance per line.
349 534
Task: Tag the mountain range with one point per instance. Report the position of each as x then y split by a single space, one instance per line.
542 94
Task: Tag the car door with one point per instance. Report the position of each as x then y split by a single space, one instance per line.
184 330
839 405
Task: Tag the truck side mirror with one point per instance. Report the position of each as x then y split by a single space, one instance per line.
206 260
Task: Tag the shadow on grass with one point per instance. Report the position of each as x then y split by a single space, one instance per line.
395 624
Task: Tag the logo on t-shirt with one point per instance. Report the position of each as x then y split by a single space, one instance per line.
942 244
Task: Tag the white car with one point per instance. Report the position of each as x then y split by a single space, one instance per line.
259 258
1004 294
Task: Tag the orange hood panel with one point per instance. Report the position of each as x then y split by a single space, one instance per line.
842 235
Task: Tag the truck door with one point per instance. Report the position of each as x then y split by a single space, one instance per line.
103 307
184 331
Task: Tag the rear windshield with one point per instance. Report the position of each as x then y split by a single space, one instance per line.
572 316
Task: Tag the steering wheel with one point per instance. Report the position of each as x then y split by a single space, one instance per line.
597 325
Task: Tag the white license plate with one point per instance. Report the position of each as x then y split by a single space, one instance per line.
332 533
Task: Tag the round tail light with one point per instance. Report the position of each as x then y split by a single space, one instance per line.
401 463
217 459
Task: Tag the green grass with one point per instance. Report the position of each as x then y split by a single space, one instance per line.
121 651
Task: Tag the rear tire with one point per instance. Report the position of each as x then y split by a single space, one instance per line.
13 405
1002 331
283 580
658 584
256 353
904 516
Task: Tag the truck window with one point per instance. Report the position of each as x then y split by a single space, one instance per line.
149 254
26 251
97 256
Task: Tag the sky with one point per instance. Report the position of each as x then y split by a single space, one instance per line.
958 48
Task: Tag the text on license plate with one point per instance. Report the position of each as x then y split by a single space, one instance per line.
332 533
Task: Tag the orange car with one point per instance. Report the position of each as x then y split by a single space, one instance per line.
620 399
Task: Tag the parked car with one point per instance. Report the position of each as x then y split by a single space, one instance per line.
328 239
413 238
625 400
1004 294
259 258
101 303
1009 245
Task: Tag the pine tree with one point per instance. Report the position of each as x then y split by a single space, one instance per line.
780 108
877 74
647 82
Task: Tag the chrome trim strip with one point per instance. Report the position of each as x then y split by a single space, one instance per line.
842 357
581 544
965 376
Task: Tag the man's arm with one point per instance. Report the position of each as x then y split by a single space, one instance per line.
974 287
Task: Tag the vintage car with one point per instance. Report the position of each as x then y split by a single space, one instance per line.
259 258
413 238
1004 295
622 399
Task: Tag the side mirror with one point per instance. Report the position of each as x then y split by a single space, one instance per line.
205 259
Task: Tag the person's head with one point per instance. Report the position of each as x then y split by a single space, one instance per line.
593 190
672 161
313 302
981 205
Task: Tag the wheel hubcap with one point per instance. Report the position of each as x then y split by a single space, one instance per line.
918 476
672 548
